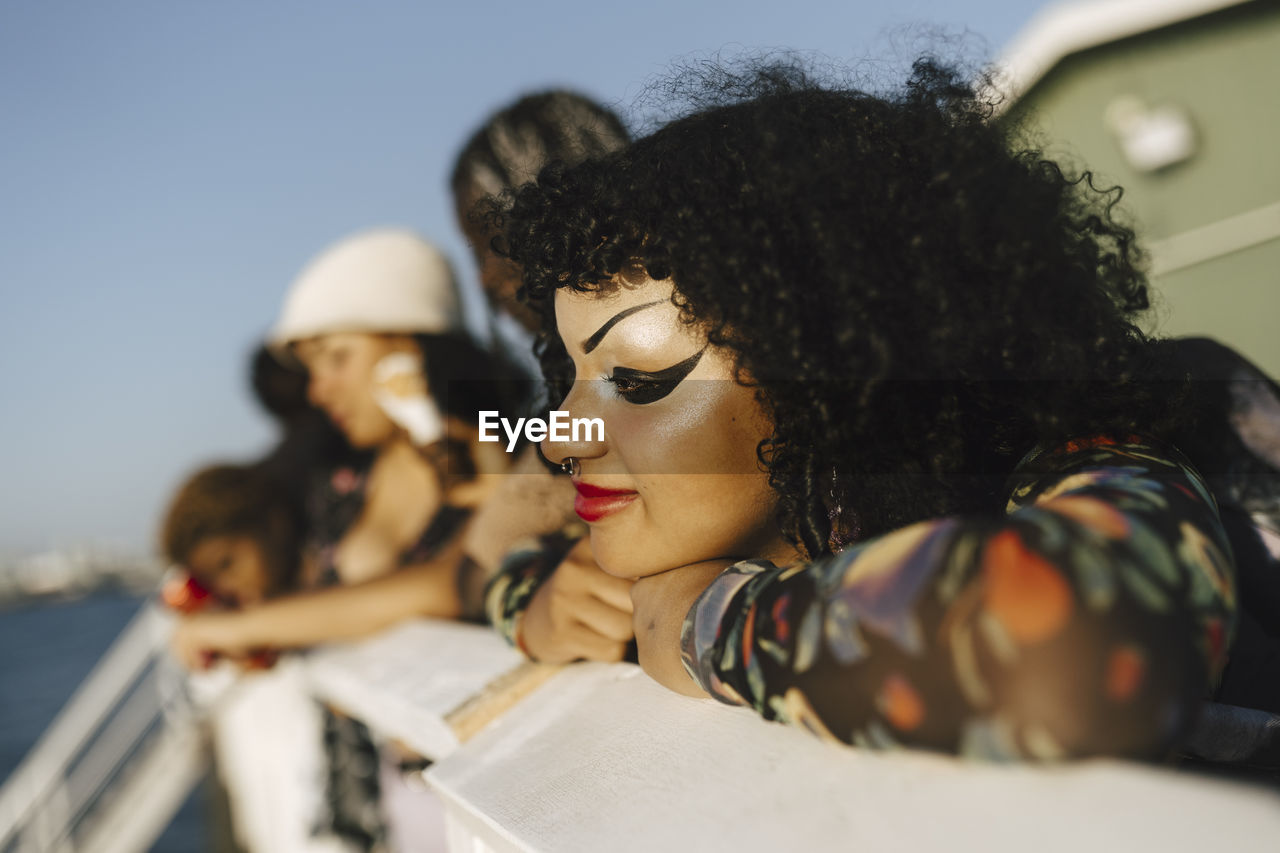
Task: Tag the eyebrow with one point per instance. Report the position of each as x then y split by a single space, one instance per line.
594 341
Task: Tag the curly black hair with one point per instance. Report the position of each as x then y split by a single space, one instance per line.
917 301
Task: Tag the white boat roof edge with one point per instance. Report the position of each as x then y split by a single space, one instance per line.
1066 28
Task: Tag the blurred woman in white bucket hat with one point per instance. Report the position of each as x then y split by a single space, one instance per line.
359 302
375 320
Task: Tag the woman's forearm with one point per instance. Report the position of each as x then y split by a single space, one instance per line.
340 613
1089 621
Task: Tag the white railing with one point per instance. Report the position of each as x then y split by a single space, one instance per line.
596 757
118 760
599 757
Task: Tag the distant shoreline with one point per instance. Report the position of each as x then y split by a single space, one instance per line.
18 600
61 576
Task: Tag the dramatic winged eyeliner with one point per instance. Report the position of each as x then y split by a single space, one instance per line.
639 386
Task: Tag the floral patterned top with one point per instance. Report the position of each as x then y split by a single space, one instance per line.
1088 619
335 500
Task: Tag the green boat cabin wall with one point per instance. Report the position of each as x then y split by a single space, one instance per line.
1223 70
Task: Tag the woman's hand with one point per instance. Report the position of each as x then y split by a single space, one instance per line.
661 603
578 613
198 638
400 390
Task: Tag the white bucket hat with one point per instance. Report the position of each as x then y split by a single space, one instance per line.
383 280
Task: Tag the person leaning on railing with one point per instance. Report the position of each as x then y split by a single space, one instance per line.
374 322
237 531
881 455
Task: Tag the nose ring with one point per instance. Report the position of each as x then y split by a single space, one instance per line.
571 466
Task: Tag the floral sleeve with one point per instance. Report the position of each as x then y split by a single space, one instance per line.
523 571
1089 619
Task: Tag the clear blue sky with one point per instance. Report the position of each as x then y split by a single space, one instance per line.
165 169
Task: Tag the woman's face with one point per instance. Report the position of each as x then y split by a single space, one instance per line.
499 277
341 382
232 567
675 480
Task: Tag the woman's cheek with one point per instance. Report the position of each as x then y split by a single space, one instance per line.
671 436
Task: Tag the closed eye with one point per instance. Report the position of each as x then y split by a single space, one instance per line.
640 387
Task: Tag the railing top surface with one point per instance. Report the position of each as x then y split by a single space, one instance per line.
601 757
409 682
595 756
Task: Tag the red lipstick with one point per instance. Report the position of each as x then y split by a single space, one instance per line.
595 502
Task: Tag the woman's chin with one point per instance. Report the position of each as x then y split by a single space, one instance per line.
624 569
622 562
619 561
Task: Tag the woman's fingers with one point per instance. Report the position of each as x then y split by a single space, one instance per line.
581 573
590 645
579 612
187 646
603 618
616 592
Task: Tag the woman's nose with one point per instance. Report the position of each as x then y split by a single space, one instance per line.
581 432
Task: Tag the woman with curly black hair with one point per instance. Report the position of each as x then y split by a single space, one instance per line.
879 449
